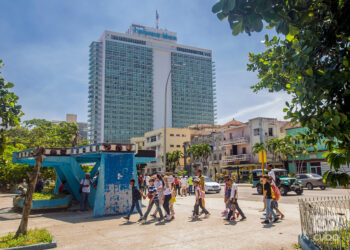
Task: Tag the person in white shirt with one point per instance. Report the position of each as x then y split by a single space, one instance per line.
168 180
233 202
147 181
85 185
272 174
184 186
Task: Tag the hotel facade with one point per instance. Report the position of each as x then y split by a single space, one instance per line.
127 77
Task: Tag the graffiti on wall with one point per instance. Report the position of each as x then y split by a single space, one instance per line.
117 192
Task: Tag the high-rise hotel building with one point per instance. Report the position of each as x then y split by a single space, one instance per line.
128 73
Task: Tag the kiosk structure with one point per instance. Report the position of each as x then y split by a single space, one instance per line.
113 166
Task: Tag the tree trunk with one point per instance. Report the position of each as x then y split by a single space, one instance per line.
27 204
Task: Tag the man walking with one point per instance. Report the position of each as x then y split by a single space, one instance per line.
268 200
85 191
190 185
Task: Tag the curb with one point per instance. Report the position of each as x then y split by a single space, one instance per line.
305 243
40 246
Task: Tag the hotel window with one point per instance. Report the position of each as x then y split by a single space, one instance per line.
256 131
183 135
171 134
177 135
270 131
177 146
171 145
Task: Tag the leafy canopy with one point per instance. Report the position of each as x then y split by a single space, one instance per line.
10 110
311 63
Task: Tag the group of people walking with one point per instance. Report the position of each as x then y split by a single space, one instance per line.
162 191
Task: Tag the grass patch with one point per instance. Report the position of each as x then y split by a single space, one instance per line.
296 246
47 196
33 236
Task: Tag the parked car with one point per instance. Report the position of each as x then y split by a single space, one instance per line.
211 186
286 184
310 181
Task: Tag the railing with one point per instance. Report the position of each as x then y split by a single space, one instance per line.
236 141
242 157
326 221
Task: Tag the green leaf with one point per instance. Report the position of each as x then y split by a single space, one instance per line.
237 28
217 7
309 72
336 120
289 37
221 16
229 5
293 30
285 109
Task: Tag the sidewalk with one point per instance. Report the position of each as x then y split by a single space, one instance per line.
75 230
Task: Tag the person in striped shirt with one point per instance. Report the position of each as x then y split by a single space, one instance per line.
154 200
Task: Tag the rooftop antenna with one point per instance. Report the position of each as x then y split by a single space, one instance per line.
157 20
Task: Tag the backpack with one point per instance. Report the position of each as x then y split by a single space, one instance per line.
276 192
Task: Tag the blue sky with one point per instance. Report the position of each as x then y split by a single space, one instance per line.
45 44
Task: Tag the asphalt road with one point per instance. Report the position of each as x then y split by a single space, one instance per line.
249 194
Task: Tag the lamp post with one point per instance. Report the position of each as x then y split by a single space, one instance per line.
165 111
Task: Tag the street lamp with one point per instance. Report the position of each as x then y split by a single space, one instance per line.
165 110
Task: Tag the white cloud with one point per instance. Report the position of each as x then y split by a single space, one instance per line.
271 108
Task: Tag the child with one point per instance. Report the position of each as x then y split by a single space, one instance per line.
136 197
172 200
198 203
226 196
154 199
276 195
233 202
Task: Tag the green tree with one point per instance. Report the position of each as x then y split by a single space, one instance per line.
34 133
173 160
309 60
10 110
201 153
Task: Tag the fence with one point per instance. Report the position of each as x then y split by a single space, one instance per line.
326 221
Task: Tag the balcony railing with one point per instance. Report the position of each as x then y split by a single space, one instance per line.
241 157
236 141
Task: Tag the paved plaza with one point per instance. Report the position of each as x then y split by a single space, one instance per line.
77 230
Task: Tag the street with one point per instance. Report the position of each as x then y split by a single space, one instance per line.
246 192
76 230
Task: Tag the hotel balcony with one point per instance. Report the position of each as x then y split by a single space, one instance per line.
241 157
236 141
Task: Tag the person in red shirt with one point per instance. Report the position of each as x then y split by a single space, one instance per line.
177 185
61 189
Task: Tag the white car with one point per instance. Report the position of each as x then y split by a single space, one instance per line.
211 186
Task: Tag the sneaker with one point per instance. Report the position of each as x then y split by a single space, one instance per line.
153 216
228 219
206 216
168 217
276 219
243 218
233 218
140 219
126 217
224 212
160 219
265 222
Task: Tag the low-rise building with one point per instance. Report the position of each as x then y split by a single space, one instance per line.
239 140
313 162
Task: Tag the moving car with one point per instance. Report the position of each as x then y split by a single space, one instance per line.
311 180
211 186
286 184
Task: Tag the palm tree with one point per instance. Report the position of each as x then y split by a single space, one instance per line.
201 153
